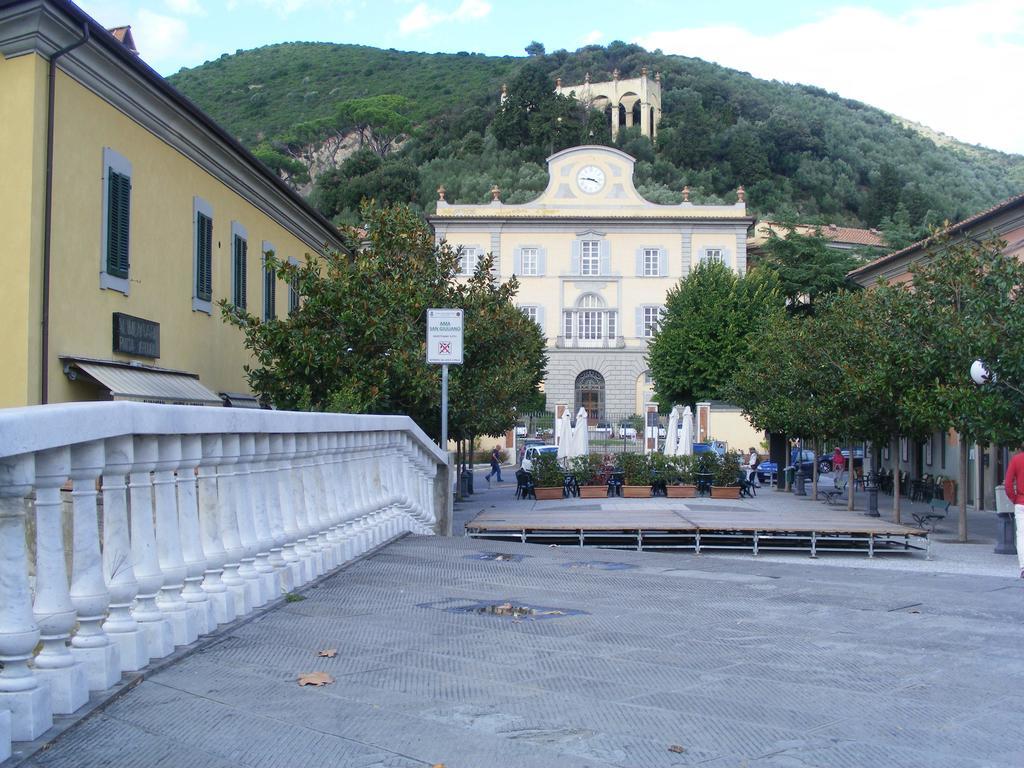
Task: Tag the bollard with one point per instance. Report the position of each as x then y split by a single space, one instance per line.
1007 542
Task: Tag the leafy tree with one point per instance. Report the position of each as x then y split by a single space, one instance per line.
291 170
378 119
356 343
806 267
365 176
535 49
884 195
710 318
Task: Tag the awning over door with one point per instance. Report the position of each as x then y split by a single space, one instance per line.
143 383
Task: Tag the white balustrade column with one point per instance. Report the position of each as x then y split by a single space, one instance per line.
285 501
155 626
54 613
21 692
90 645
118 567
298 492
270 579
213 585
275 513
243 497
227 501
324 507
168 542
333 486
311 501
188 525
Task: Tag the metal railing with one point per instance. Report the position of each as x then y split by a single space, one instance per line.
181 518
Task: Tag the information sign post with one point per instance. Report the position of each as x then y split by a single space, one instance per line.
444 348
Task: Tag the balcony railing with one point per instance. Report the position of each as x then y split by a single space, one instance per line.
182 518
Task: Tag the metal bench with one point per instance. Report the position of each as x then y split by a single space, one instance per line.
937 510
835 492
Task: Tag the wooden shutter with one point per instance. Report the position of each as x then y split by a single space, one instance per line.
540 318
119 197
269 290
517 262
204 257
542 261
240 257
574 263
662 263
639 262
606 257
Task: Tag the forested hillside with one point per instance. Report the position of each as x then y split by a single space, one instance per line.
801 152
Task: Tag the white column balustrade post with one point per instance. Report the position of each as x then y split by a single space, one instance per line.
299 507
21 692
118 560
227 501
90 645
258 595
275 514
195 598
325 507
154 625
261 482
222 600
311 502
349 501
285 498
53 611
168 542
334 493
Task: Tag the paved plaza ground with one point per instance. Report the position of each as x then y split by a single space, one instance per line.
635 659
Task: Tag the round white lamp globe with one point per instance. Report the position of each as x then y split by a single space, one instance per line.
979 373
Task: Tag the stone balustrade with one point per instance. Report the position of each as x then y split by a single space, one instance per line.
182 518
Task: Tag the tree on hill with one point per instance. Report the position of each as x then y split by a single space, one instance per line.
535 49
710 318
378 119
365 176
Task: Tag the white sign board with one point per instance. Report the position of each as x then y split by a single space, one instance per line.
444 336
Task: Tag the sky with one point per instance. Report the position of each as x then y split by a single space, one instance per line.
952 65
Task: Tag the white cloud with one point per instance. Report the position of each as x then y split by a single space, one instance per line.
422 16
593 37
185 7
953 69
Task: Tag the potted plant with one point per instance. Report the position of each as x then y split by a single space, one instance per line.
636 475
589 477
548 477
727 475
683 477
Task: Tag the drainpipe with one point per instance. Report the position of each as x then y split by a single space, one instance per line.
44 367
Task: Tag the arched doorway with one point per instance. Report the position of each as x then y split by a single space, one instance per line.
590 394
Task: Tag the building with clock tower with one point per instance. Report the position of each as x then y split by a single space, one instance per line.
595 261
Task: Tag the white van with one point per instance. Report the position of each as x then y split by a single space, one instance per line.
533 451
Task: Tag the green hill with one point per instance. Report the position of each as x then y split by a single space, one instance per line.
800 151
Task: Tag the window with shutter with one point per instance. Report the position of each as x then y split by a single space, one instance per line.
115 226
293 290
119 197
240 249
529 261
652 262
204 257
269 283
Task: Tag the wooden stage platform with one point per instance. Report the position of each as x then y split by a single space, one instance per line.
708 526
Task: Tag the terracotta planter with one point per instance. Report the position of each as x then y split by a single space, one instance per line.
548 494
681 491
636 491
593 491
725 491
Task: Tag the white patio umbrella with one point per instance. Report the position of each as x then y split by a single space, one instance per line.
672 433
581 434
685 447
565 435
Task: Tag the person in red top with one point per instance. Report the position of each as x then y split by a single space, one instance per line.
838 462
1014 486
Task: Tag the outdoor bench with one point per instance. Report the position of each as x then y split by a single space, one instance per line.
937 510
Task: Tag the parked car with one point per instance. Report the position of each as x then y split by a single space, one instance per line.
524 444
520 430
825 465
603 429
533 451
627 430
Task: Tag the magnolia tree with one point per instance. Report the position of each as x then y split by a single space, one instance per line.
357 340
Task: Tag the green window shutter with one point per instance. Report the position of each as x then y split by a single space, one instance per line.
119 197
269 291
204 257
241 256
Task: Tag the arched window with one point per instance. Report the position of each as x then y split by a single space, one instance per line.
591 316
590 394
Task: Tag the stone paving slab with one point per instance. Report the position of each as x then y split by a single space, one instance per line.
759 663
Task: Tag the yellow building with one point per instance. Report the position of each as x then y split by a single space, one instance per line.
595 261
126 213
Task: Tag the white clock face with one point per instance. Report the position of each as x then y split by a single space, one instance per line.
590 179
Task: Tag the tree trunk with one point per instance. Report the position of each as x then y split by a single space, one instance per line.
816 445
458 470
962 537
894 448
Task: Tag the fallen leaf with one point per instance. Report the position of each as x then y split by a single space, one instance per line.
315 678
328 653
677 749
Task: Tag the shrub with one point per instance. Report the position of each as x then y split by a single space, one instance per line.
587 469
685 470
547 473
661 467
636 469
728 472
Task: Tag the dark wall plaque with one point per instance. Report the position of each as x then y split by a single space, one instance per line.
135 336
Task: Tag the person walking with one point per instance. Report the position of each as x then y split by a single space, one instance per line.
838 460
1014 487
752 461
495 465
